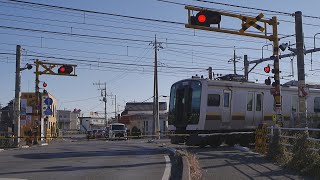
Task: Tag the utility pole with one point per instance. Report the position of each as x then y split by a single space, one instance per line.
17 96
246 67
115 108
104 98
210 73
300 65
156 124
234 60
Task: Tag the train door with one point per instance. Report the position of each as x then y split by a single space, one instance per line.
226 106
250 108
254 112
258 113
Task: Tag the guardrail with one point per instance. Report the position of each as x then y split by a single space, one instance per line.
306 130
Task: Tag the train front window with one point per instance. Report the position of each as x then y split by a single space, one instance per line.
185 100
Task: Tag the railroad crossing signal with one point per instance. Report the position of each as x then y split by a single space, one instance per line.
251 22
267 69
65 69
205 18
267 81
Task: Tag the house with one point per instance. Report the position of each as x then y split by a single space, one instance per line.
30 119
69 120
138 116
6 120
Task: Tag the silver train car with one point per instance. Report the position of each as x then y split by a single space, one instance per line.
215 111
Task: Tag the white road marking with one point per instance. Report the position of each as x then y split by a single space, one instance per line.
167 170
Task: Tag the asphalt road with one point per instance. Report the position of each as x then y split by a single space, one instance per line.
80 159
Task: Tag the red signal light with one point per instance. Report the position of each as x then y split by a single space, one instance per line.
44 84
267 69
62 69
202 18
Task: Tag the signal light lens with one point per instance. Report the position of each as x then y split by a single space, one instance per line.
62 69
202 18
267 69
44 84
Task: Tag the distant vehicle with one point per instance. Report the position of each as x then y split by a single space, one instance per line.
117 131
90 134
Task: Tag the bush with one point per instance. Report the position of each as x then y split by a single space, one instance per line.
277 152
304 160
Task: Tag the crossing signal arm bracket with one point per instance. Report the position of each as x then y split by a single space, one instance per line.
49 68
246 22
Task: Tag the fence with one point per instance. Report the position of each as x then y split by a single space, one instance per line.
312 133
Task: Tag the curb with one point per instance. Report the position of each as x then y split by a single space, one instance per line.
186 166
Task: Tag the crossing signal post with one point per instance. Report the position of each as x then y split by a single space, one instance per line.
48 69
201 21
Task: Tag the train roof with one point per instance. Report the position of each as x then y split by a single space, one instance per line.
290 85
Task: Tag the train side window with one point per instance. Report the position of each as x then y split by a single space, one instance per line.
249 101
213 100
226 99
259 102
316 104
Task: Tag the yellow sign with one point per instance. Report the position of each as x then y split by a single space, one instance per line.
274 117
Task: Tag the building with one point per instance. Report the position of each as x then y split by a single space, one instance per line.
6 119
30 119
69 120
92 122
139 117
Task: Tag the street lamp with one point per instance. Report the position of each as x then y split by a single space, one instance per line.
314 46
266 45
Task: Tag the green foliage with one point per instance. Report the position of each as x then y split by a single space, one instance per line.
304 160
276 151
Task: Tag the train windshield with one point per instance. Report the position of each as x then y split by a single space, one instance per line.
184 106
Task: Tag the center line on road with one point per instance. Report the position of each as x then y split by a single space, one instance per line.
167 170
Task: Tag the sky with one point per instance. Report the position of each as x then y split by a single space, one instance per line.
122 50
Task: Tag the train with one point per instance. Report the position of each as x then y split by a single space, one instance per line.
228 110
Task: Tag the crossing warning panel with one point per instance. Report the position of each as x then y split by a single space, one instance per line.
248 22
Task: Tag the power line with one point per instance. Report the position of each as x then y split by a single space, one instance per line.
159 31
96 12
258 9
104 62
245 7
71 34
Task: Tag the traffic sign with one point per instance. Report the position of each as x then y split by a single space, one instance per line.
48 101
48 112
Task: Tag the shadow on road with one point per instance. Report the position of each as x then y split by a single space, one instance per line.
72 168
113 152
246 163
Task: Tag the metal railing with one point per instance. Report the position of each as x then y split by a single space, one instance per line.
306 130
